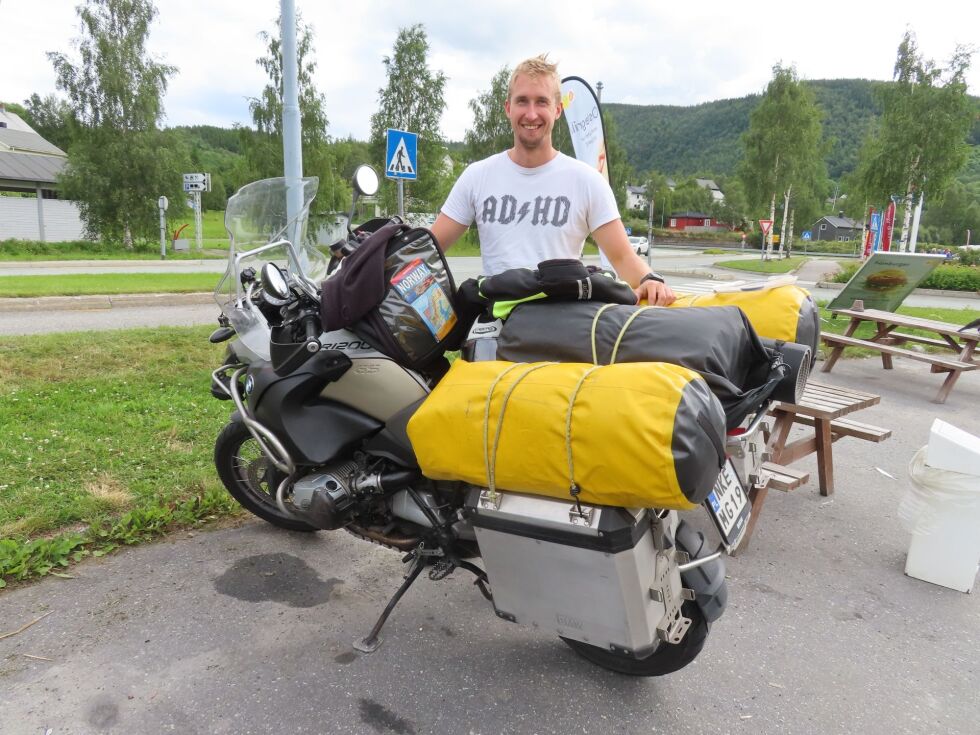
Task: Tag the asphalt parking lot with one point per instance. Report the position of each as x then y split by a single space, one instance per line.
249 629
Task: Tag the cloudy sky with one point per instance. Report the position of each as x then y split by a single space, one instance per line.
644 52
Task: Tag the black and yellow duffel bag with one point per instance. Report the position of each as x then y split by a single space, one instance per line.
639 435
784 313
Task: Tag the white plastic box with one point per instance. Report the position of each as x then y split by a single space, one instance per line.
948 485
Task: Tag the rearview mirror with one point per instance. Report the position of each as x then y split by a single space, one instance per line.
366 181
274 282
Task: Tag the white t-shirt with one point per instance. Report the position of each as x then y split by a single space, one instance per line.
527 215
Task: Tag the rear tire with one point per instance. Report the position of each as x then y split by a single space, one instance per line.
666 659
250 477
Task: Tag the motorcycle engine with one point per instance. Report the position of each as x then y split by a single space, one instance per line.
325 498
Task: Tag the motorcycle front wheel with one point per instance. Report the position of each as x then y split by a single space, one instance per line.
250 477
666 659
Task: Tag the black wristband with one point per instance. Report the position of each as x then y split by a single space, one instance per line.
651 276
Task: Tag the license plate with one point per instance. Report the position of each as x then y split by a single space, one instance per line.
728 505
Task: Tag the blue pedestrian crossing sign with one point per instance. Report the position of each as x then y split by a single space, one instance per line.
401 156
807 235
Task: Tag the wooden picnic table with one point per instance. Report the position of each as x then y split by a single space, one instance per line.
888 340
822 407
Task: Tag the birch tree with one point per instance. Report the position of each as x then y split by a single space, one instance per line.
784 151
921 141
119 162
414 100
491 131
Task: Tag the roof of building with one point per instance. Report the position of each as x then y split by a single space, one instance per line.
26 156
839 222
30 167
636 189
708 184
698 215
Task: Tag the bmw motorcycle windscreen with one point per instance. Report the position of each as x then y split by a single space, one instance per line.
639 435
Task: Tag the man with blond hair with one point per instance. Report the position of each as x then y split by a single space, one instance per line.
533 203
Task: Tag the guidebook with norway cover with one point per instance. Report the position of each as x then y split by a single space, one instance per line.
418 286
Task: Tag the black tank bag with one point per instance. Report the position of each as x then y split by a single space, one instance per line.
396 292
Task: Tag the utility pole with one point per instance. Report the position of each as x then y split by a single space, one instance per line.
292 149
598 91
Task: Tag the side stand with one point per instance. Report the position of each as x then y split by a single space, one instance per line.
373 640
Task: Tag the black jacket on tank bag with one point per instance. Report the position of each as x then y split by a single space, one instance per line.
396 293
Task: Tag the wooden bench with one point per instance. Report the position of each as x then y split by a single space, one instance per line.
783 478
887 340
946 363
823 408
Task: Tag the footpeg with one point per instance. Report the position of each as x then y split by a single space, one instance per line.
441 569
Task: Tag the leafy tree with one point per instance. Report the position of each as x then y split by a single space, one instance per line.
263 146
413 100
119 163
491 131
948 220
52 118
784 149
921 142
620 170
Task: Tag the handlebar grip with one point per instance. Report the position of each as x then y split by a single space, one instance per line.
311 328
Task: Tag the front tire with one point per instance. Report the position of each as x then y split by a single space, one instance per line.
250 477
666 659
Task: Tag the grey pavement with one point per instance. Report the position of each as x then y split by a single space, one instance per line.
249 629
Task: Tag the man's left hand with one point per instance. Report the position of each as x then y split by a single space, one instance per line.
655 293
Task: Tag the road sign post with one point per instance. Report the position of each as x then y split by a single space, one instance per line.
195 184
401 161
766 226
163 203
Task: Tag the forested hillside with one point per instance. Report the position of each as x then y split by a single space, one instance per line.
705 138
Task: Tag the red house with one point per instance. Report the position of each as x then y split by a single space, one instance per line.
695 222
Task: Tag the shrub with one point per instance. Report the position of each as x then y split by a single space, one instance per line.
945 277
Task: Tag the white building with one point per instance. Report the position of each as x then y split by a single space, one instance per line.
30 165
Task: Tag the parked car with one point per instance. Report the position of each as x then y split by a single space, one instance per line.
640 244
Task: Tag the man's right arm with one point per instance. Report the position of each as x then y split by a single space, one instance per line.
447 231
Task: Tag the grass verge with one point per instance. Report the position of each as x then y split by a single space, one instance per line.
105 439
786 265
83 284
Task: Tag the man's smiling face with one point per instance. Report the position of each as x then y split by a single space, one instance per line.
533 107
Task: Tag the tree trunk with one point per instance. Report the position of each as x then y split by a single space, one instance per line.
789 235
767 240
782 230
127 238
906 219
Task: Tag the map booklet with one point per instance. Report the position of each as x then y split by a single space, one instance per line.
418 286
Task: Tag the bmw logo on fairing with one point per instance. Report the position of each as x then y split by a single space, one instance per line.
249 384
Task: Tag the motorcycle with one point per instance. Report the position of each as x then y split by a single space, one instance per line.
317 441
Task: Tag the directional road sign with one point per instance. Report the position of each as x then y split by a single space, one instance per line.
197 182
401 156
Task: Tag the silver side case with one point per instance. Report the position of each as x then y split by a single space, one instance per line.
553 567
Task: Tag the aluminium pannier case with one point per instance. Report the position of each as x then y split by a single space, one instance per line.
583 560
639 435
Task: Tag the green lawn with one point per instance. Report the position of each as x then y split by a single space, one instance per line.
81 284
105 438
785 265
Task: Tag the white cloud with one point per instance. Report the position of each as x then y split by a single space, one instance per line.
643 53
